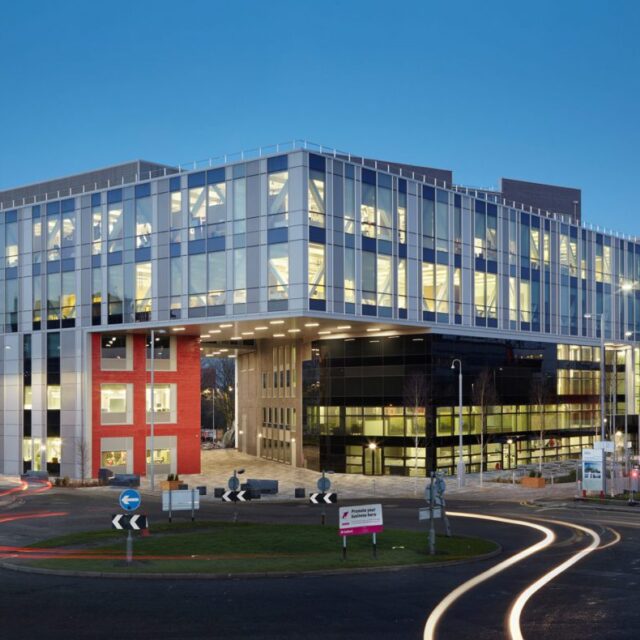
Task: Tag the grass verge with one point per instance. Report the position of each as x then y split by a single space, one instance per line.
227 548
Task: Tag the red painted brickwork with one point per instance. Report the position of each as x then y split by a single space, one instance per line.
187 428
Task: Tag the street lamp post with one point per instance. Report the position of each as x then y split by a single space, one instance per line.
460 458
153 408
603 419
152 418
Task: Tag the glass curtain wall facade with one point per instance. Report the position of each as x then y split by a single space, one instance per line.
315 235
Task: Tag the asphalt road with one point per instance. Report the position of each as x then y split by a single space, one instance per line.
596 598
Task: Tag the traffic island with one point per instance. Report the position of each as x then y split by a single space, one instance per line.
216 549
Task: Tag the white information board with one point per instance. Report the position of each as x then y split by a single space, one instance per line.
180 500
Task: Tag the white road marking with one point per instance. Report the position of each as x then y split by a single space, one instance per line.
449 599
517 607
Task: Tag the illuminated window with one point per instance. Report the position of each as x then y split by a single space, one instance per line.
11 244
239 276
176 284
197 213
384 219
53 237
442 221
535 248
368 278
492 295
385 280
278 271
368 210
479 294
68 299
111 459
278 192
217 278
143 222
197 280
164 402
525 301
457 291
216 203
349 205
53 296
116 292
96 230
402 214
349 275
175 210
68 234
28 398
442 288
513 299
115 227
53 397
116 403
402 283
428 287
316 197
316 271
143 290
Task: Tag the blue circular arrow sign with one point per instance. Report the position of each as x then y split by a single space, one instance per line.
130 500
233 483
323 484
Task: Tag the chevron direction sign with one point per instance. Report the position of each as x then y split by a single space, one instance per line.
129 522
235 496
323 498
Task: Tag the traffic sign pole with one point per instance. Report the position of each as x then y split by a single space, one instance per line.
375 552
129 547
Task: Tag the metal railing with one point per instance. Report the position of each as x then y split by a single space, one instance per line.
294 145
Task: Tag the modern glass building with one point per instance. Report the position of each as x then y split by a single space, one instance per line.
344 287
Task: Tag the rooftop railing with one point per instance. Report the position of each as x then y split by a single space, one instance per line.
295 145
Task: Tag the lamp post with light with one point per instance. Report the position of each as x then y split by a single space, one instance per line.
460 458
152 413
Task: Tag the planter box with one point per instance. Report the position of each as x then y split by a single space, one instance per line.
170 485
533 483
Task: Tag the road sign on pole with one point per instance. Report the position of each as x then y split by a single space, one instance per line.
323 484
233 483
323 498
236 496
127 522
130 500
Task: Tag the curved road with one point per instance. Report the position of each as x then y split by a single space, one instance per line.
593 598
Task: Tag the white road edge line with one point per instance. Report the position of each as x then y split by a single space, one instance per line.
450 598
523 598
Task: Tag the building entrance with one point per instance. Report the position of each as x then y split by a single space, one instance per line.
372 457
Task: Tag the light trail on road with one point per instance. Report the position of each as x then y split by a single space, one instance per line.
449 599
516 608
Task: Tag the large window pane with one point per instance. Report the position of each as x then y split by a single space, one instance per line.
217 278
428 287
68 305
143 222
115 228
197 280
349 275
316 271
278 270
197 213
217 203
368 278
239 276
385 281
11 244
278 186
316 197
143 289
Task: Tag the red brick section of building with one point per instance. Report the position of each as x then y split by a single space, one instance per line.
186 377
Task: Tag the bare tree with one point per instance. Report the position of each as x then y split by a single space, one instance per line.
540 395
416 395
218 381
484 395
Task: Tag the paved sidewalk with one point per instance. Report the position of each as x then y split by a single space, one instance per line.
218 466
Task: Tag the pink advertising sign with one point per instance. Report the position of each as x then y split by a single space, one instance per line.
361 520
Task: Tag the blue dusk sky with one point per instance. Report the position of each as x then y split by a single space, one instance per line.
547 91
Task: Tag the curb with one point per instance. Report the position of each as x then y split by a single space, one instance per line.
240 576
578 503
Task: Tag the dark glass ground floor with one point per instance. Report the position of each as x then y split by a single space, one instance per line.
389 405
